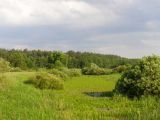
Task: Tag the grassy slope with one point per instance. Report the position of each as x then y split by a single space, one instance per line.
24 102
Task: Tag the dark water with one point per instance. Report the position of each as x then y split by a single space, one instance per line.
99 94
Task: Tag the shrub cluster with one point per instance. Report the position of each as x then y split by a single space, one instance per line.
75 72
64 73
72 72
141 79
58 73
16 69
120 69
46 81
94 69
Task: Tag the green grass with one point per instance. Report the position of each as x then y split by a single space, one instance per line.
24 102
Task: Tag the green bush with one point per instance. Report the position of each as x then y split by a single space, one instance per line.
94 70
141 79
120 69
59 73
74 72
46 81
4 65
71 72
16 69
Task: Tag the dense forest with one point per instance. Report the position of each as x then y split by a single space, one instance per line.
80 60
32 59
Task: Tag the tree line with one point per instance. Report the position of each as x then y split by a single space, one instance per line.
32 59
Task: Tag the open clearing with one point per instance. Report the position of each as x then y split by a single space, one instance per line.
83 98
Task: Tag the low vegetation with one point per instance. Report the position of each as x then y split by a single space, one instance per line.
59 73
65 73
94 69
4 83
46 81
72 72
121 68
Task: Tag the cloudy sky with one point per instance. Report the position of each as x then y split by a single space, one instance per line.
129 28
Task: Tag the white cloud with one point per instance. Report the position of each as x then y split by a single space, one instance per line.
127 51
57 46
152 43
134 44
152 25
76 13
14 46
35 12
129 37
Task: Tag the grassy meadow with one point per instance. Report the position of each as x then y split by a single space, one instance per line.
83 98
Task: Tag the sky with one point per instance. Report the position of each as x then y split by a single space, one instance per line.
129 28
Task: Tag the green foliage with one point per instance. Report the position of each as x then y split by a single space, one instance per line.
121 68
58 64
84 59
94 70
108 71
26 59
18 60
65 73
16 69
46 81
59 73
141 79
72 72
4 65
57 59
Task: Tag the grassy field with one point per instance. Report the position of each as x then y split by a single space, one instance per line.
83 98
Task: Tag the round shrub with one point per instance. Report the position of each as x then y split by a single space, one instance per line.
46 81
71 72
141 79
74 72
120 69
93 70
59 73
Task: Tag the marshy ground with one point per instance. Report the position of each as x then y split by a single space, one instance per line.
83 98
